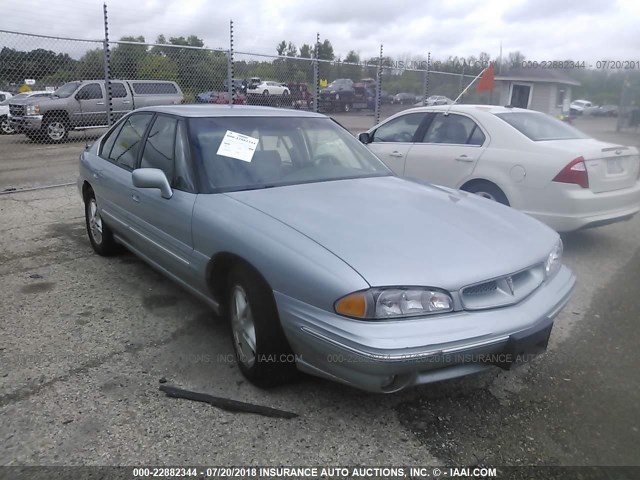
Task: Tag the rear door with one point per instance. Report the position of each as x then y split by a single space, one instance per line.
112 181
393 139
120 100
448 151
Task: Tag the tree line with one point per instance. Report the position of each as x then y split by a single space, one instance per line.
197 69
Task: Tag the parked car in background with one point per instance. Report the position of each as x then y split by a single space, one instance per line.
343 95
5 123
238 85
319 257
385 97
525 159
581 107
220 98
300 95
404 98
439 100
268 87
606 111
81 105
5 96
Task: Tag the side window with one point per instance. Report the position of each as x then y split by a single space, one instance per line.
452 129
127 144
184 176
400 129
118 90
477 137
159 150
108 142
93 91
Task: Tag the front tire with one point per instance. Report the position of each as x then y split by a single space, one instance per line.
56 130
489 191
262 351
100 235
5 126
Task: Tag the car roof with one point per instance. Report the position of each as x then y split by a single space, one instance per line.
471 109
199 111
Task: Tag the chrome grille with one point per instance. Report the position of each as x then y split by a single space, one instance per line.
502 291
16 110
482 288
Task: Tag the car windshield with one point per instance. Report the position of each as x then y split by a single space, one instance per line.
246 153
66 90
540 127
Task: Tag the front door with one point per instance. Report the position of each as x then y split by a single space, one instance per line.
92 108
393 139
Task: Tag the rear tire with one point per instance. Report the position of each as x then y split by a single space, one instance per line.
262 351
100 235
5 126
489 191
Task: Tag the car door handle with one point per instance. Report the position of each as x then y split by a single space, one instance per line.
126 101
99 103
135 197
396 154
464 158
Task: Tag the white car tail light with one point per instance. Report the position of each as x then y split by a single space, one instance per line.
575 172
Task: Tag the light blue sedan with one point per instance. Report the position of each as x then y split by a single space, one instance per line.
321 258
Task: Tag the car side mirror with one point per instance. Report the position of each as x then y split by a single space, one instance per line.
82 95
152 178
365 137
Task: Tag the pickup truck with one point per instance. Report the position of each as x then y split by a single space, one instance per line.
82 105
343 95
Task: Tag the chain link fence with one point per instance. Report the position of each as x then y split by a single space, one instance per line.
95 82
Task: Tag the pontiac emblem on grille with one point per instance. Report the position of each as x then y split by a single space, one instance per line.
510 284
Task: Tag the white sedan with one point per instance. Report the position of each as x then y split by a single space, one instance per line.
522 158
268 87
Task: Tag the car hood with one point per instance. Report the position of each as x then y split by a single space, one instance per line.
33 101
398 232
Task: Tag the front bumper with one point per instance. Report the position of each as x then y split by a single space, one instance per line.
26 124
387 356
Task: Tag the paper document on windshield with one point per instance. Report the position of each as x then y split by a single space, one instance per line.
237 145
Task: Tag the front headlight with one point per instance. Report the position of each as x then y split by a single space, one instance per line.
395 302
554 260
33 109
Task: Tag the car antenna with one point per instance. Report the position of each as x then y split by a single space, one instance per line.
465 91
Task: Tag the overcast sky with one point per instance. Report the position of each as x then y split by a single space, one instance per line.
588 30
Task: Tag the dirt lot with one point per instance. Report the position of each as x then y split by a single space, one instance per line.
86 341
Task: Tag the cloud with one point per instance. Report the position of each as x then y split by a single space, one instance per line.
530 10
541 29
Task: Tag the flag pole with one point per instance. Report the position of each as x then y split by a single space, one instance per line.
465 90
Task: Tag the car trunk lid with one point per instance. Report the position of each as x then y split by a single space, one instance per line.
609 166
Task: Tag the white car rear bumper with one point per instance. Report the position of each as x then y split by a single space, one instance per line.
569 207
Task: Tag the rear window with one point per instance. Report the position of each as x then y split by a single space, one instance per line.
155 88
539 126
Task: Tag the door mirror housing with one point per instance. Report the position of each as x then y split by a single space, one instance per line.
82 95
365 137
152 178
